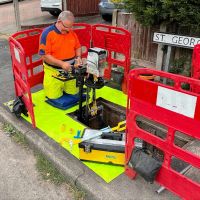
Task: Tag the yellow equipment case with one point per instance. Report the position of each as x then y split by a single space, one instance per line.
107 148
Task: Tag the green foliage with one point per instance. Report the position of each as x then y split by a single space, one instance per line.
177 66
186 13
181 66
118 4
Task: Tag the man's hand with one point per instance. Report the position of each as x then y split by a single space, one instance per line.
66 66
78 62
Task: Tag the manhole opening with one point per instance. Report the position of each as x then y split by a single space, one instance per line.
108 114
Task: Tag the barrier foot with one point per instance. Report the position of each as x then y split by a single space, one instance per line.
162 188
130 173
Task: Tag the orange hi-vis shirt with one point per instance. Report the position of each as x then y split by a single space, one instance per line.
60 46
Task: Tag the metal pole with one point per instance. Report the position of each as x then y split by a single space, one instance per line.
64 5
167 62
159 57
114 17
17 14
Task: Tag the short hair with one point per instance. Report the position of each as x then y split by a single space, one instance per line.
66 15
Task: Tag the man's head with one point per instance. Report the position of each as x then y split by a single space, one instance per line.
65 21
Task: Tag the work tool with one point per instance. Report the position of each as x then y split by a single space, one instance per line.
88 136
108 148
120 127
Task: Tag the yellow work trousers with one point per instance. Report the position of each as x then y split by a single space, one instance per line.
53 87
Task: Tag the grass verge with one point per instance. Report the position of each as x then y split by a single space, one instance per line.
43 165
18 137
50 173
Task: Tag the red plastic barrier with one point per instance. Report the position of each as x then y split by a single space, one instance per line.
25 65
83 32
114 40
195 69
177 110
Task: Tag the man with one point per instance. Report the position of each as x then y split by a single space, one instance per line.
59 48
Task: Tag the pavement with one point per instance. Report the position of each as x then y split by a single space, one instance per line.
76 172
21 179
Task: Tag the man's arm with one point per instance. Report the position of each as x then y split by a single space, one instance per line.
78 57
78 52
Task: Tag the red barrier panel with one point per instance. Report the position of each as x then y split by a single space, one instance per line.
117 42
83 32
26 65
174 108
195 69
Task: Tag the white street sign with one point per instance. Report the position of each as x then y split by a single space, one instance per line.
175 40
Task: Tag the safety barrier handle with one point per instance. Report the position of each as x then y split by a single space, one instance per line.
178 79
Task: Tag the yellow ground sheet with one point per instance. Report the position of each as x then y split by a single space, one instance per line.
57 125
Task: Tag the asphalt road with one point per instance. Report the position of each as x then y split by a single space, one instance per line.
6 78
31 14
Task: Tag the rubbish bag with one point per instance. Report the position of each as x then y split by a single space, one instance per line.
19 107
145 165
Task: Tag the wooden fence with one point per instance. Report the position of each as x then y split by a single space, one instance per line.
83 7
144 52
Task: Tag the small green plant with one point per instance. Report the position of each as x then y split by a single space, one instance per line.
9 129
120 69
48 171
181 66
78 195
132 67
17 136
118 4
